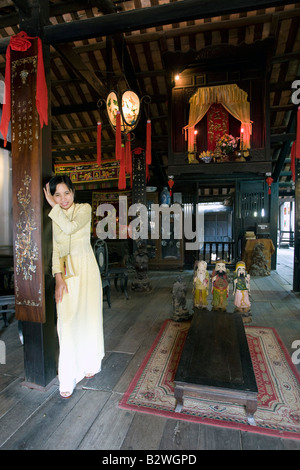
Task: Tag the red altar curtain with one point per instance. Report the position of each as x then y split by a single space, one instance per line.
234 100
217 125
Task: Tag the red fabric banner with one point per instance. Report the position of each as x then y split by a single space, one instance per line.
21 42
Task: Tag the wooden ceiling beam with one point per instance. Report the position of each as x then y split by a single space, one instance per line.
107 147
56 9
86 146
92 106
286 137
143 18
74 6
74 108
76 130
22 5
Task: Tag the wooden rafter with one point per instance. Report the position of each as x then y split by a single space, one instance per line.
81 69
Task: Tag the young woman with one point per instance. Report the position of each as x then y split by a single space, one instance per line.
78 298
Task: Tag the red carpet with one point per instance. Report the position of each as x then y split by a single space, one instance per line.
278 411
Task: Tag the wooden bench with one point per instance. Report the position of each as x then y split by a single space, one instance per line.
216 362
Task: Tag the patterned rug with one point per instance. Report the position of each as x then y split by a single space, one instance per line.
278 411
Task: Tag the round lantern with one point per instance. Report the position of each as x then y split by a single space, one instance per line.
129 107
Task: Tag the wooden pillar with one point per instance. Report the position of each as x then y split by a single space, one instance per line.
296 278
32 166
273 217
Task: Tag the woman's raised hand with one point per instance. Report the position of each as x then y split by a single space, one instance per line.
48 196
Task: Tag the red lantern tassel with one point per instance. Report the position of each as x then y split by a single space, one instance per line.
148 143
122 174
128 160
269 181
41 96
118 137
297 144
99 126
148 149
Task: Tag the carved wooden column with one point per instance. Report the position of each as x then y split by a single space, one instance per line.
27 194
32 236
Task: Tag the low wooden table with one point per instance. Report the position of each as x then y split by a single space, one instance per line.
216 362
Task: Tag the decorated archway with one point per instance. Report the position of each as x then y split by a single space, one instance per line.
234 100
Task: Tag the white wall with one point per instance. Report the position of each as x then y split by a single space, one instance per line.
5 198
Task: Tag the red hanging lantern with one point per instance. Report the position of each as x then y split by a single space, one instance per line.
269 181
171 184
99 127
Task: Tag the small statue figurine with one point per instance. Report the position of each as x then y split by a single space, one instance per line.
241 291
220 286
142 282
201 285
179 291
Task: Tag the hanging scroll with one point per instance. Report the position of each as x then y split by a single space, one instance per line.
139 176
26 180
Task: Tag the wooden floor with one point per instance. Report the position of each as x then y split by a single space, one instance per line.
91 419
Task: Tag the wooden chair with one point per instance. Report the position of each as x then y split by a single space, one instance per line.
101 254
7 298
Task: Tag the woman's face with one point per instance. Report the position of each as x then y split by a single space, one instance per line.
63 196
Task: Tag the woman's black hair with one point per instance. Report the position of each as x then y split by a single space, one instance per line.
59 179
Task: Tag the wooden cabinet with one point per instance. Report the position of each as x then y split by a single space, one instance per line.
165 251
